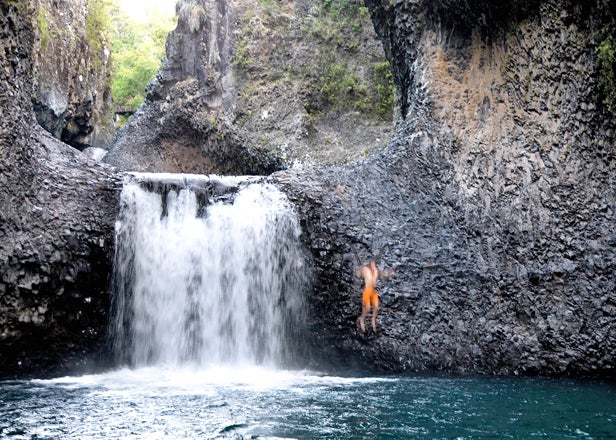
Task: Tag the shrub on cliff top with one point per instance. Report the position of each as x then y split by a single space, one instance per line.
192 14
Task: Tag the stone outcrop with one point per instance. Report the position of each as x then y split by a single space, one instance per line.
495 200
245 89
56 226
71 92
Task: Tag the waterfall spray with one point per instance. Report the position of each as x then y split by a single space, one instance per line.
207 271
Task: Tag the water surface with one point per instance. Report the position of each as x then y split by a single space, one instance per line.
257 403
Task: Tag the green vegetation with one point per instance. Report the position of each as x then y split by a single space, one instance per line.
339 89
346 7
331 78
270 6
43 26
384 89
338 21
24 7
98 23
606 67
242 60
193 14
136 47
137 51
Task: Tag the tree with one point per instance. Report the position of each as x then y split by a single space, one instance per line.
138 48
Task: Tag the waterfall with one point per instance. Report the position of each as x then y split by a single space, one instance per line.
208 270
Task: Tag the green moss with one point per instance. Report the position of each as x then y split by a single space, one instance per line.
343 6
270 6
242 60
340 89
121 121
331 80
48 30
24 7
335 86
338 20
605 64
43 27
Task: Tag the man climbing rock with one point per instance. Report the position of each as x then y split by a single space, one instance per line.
370 297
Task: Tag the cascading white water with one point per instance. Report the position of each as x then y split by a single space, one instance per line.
206 282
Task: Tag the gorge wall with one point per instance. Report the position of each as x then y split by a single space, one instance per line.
72 75
250 87
495 200
56 224
58 207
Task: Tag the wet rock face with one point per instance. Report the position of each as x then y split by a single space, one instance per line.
55 263
56 227
495 202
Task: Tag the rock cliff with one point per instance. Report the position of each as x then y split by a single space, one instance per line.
71 88
251 87
58 207
495 200
56 225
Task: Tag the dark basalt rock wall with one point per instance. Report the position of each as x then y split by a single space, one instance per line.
57 214
495 200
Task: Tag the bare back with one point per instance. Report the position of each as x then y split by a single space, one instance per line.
370 274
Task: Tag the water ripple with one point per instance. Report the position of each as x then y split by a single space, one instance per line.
257 403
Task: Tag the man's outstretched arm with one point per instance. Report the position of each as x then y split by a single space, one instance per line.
387 274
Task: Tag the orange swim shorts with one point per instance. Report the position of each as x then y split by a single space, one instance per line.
370 297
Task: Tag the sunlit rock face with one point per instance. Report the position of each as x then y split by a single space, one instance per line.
495 200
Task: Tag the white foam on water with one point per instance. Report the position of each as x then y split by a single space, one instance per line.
179 381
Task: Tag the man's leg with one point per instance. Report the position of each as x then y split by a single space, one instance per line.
375 310
365 309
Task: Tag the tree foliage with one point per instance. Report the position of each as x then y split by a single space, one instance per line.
137 51
98 22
